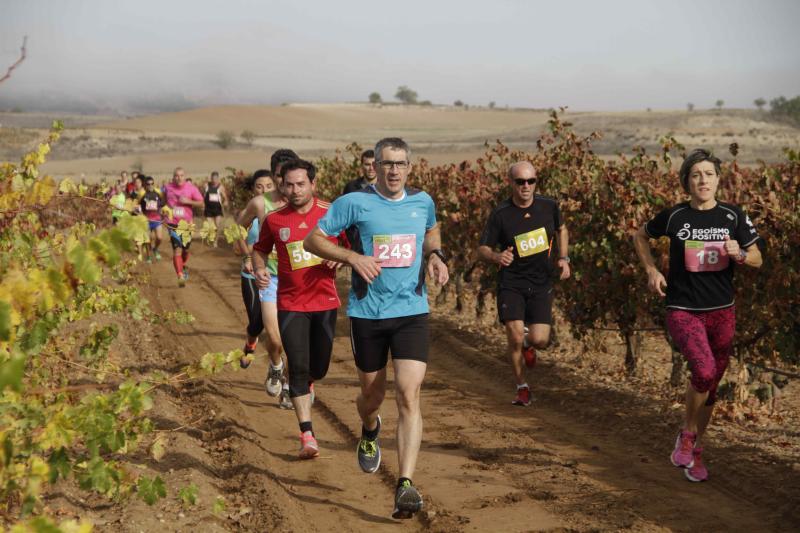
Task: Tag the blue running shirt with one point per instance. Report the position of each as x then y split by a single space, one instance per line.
393 231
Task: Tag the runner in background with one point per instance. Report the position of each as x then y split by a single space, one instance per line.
307 297
214 199
258 207
708 240
117 201
368 177
388 302
151 203
181 197
368 174
518 237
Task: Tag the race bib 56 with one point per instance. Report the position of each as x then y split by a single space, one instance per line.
299 258
179 211
151 205
532 242
705 256
394 250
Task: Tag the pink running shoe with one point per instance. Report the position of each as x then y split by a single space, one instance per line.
682 454
698 471
308 446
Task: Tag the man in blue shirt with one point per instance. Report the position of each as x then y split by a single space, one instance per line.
388 303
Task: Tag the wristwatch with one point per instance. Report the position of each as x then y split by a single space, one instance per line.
565 258
440 253
742 257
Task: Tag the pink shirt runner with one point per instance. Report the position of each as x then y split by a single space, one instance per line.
181 211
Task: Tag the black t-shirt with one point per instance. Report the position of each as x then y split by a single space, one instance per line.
151 203
530 232
357 184
700 271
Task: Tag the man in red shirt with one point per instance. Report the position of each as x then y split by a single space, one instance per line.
307 297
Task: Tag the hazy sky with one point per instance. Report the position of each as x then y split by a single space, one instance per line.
627 54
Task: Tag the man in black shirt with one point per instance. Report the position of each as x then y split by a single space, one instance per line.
522 228
368 174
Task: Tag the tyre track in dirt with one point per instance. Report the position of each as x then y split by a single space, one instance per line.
564 464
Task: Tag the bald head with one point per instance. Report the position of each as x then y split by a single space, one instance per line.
521 170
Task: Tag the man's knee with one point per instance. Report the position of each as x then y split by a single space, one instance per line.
408 399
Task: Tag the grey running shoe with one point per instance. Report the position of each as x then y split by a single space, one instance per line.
285 401
407 501
274 380
369 453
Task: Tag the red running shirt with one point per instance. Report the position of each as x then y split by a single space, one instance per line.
305 284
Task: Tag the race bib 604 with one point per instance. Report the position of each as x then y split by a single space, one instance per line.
395 250
705 256
532 242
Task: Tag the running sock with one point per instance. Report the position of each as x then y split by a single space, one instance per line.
177 260
402 480
276 367
306 426
371 435
523 386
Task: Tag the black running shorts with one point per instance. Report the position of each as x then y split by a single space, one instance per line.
371 340
176 241
531 305
308 341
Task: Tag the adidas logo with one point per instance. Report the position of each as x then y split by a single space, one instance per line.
302 225
414 214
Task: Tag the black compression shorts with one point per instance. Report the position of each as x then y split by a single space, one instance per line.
531 305
308 341
407 337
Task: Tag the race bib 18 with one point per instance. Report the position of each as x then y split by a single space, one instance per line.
532 242
705 256
299 258
394 250
179 211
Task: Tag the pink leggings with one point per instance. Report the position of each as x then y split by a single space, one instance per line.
705 338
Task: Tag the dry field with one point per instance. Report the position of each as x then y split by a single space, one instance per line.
93 147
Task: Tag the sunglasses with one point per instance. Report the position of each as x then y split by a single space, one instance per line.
529 181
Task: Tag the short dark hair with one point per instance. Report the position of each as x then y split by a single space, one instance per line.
294 164
395 143
260 173
149 179
697 155
279 157
367 154
215 173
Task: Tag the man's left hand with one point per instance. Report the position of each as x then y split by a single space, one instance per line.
437 269
565 270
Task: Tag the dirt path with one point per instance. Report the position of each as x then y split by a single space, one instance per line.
580 459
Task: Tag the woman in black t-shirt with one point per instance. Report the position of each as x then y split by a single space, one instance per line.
707 239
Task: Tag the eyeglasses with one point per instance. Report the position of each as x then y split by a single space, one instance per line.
399 165
529 181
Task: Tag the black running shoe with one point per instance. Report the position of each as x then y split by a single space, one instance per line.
407 501
369 453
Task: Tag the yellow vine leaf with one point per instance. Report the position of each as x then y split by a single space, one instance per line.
184 231
209 231
67 186
234 232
